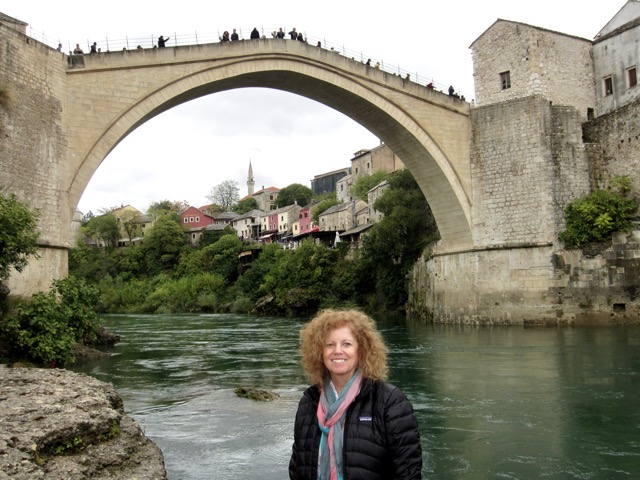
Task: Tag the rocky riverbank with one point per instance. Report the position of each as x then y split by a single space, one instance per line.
56 424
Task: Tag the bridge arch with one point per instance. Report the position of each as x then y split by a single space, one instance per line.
405 122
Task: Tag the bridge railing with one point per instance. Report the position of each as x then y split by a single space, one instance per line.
196 38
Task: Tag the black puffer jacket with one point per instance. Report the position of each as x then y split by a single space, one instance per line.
381 437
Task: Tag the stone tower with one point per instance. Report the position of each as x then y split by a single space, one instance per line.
250 181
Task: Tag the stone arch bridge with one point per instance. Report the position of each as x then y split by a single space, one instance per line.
60 117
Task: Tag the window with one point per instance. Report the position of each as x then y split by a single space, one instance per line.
632 77
191 219
186 219
608 86
505 80
197 219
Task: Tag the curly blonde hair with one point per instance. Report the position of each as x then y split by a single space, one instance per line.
372 350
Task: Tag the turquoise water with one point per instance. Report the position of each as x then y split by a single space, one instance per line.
492 402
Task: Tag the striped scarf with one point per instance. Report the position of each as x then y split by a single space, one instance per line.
331 413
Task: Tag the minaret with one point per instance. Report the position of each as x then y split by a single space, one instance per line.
250 182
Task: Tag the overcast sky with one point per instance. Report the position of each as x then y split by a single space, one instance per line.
289 139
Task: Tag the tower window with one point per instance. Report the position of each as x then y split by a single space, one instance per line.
505 80
608 86
632 77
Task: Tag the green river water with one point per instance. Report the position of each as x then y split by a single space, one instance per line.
492 402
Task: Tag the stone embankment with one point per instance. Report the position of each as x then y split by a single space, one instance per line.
56 424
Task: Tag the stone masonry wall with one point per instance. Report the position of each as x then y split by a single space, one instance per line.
31 132
540 62
530 286
614 145
527 161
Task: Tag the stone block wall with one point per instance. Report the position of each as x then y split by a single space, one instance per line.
33 149
614 145
527 162
530 286
600 288
540 62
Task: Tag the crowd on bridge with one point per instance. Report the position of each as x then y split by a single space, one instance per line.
255 34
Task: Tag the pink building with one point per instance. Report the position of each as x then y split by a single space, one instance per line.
194 218
306 225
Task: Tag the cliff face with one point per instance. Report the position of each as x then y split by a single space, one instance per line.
55 424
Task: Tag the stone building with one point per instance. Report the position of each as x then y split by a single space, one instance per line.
266 198
366 162
374 216
616 51
247 225
341 217
513 60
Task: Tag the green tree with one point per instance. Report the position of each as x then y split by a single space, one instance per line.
104 228
163 245
225 194
165 206
394 244
301 278
212 236
362 185
91 263
245 205
219 258
131 224
251 281
18 234
294 193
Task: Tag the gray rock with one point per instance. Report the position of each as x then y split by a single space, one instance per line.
56 424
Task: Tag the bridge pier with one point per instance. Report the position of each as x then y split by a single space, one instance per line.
529 285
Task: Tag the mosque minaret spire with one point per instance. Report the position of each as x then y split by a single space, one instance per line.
250 182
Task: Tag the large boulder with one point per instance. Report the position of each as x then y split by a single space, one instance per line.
56 424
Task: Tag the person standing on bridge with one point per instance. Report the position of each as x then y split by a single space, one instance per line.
351 423
255 34
234 36
280 33
162 41
293 34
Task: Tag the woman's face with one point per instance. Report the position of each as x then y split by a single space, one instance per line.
340 355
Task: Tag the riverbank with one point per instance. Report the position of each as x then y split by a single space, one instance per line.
56 424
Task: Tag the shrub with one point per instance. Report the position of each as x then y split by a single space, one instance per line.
18 234
196 293
46 328
594 218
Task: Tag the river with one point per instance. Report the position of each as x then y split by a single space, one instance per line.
492 402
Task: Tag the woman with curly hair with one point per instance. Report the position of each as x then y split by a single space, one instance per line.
351 424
